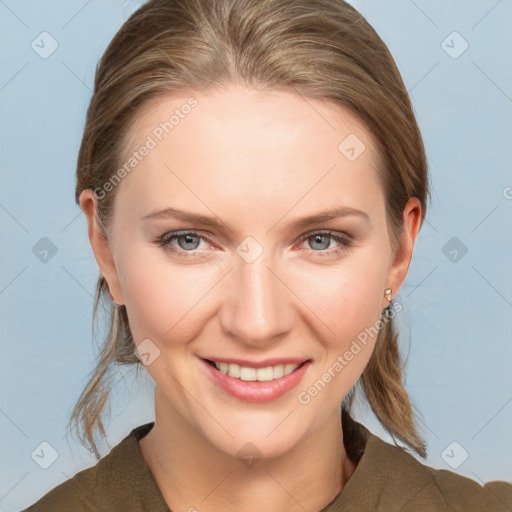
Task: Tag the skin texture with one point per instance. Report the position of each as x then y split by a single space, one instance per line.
256 161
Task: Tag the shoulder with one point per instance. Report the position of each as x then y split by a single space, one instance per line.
445 490
79 493
62 498
120 481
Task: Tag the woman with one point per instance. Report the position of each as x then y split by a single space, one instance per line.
254 182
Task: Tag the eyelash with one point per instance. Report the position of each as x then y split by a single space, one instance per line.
165 242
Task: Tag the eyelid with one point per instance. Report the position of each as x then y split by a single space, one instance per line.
334 234
166 238
343 240
206 237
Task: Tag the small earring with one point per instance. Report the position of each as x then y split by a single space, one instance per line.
388 294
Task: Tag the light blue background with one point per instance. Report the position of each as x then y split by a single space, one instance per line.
457 325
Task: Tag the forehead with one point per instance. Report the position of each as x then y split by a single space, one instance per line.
239 144
279 113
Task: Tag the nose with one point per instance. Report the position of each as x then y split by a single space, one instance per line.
257 308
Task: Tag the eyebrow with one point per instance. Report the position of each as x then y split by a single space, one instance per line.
215 222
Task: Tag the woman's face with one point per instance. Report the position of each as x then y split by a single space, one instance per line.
253 283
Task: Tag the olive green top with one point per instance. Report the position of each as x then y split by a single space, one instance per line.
386 479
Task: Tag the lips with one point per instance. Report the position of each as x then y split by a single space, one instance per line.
256 381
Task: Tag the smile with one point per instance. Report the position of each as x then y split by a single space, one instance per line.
262 382
249 373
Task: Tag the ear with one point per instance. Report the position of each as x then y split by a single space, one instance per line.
402 260
101 245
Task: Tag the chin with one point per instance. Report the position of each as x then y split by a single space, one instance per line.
258 434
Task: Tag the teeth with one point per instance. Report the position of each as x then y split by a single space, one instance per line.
247 373
256 374
278 371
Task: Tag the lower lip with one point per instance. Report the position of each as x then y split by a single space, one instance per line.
256 391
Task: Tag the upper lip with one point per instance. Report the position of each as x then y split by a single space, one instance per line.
258 364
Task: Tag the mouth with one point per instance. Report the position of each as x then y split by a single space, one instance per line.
256 382
255 374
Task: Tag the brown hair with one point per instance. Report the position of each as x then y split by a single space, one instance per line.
320 49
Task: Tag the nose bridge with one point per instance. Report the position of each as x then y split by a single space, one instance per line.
257 309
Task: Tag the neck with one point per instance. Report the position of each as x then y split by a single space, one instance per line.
193 474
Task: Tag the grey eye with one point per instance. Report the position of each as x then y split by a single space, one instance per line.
318 240
189 241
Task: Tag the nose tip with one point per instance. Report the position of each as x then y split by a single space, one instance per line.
256 308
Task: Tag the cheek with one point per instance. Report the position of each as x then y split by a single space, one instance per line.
346 297
162 299
346 305
167 301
